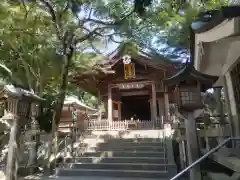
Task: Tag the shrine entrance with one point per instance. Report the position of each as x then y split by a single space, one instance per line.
136 107
133 92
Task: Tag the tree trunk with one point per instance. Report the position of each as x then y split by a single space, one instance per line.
58 110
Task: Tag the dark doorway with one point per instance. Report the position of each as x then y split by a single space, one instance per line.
136 107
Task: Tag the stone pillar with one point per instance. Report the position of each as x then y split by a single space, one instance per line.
110 104
182 154
34 139
192 145
154 104
13 150
219 111
232 105
228 108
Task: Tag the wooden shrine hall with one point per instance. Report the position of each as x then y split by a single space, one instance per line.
132 90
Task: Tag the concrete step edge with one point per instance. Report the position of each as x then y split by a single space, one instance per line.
117 157
112 170
144 152
127 146
102 178
132 164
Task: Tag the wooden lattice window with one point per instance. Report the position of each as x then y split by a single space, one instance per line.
235 76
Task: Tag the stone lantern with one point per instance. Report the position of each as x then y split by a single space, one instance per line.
189 83
18 104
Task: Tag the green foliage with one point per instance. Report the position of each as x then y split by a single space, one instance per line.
129 48
164 24
28 47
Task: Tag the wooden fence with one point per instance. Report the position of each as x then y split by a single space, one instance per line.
104 124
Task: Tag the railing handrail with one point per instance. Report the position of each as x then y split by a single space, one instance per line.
213 150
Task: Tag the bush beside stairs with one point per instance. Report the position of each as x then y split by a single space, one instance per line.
126 154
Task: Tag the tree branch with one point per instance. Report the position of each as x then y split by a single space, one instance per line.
89 35
115 23
64 10
54 18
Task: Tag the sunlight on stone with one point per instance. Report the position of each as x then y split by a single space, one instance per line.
109 154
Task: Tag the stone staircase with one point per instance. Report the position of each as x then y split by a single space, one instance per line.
126 154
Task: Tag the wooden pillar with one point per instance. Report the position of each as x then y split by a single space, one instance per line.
119 111
161 111
166 104
110 104
154 104
166 99
192 145
99 107
150 107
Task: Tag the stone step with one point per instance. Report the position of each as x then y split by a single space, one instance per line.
217 176
155 134
124 154
99 178
134 140
119 166
128 148
136 144
149 160
112 173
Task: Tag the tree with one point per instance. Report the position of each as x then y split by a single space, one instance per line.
22 48
70 33
168 24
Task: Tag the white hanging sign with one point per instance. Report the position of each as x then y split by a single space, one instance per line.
132 85
126 59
